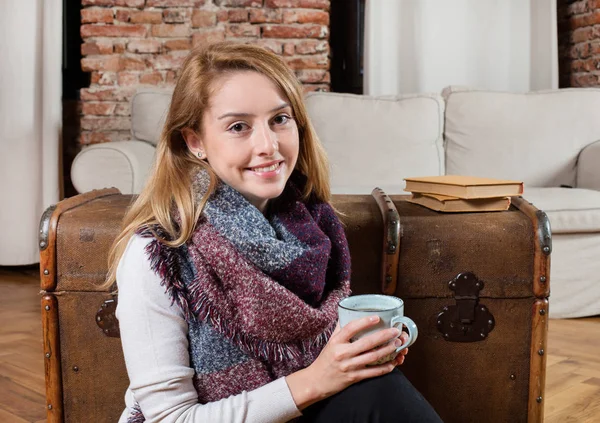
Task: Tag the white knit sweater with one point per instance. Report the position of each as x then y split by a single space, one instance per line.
154 337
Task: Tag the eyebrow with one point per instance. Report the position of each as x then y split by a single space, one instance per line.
235 114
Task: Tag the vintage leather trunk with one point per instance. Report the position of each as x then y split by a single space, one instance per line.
476 284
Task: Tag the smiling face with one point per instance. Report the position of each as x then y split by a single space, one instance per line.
249 136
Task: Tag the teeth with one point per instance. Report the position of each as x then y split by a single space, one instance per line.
266 169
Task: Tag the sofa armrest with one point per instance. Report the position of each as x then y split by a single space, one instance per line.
120 164
588 167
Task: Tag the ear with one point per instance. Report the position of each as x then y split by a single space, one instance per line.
193 141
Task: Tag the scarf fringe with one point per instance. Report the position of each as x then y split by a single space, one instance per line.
164 261
136 415
192 299
319 341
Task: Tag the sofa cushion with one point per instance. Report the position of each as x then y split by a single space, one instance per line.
149 107
378 141
588 171
570 210
120 164
534 137
574 276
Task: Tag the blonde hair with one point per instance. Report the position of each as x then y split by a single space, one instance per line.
169 186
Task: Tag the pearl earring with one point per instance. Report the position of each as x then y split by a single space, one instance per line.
200 154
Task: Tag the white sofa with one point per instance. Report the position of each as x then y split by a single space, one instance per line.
550 140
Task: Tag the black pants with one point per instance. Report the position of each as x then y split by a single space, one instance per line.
385 399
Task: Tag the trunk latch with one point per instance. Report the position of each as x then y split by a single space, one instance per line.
468 320
107 320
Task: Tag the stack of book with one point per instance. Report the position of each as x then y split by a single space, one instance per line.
453 193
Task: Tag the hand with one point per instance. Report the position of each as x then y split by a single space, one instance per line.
399 360
343 363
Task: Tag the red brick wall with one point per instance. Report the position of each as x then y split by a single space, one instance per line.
133 43
579 43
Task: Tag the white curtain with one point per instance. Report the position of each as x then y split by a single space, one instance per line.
30 122
416 46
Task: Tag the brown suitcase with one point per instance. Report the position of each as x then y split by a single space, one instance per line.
476 284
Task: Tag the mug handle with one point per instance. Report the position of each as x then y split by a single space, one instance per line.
413 332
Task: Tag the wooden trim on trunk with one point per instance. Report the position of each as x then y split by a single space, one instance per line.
48 226
537 367
539 319
52 368
391 241
543 246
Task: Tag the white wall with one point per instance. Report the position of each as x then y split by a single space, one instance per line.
426 45
30 122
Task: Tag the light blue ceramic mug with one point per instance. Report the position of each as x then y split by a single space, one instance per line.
391 314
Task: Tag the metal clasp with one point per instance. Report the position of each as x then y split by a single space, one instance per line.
107 320
467 320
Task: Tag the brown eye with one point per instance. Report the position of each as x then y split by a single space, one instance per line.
238 127
281 120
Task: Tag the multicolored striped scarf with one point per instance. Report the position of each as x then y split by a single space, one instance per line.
259 292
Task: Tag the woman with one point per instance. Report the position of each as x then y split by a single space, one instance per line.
231 264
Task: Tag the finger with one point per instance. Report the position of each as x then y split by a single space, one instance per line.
373 371
404 337
399 360
398 343
367 343
355 326
362 360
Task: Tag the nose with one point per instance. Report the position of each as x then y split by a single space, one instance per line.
266 141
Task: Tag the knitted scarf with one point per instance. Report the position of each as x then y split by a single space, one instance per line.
259 293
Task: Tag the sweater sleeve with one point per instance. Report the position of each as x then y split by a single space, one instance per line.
155 345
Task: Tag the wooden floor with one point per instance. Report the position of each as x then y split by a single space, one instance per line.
572 381
22 392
